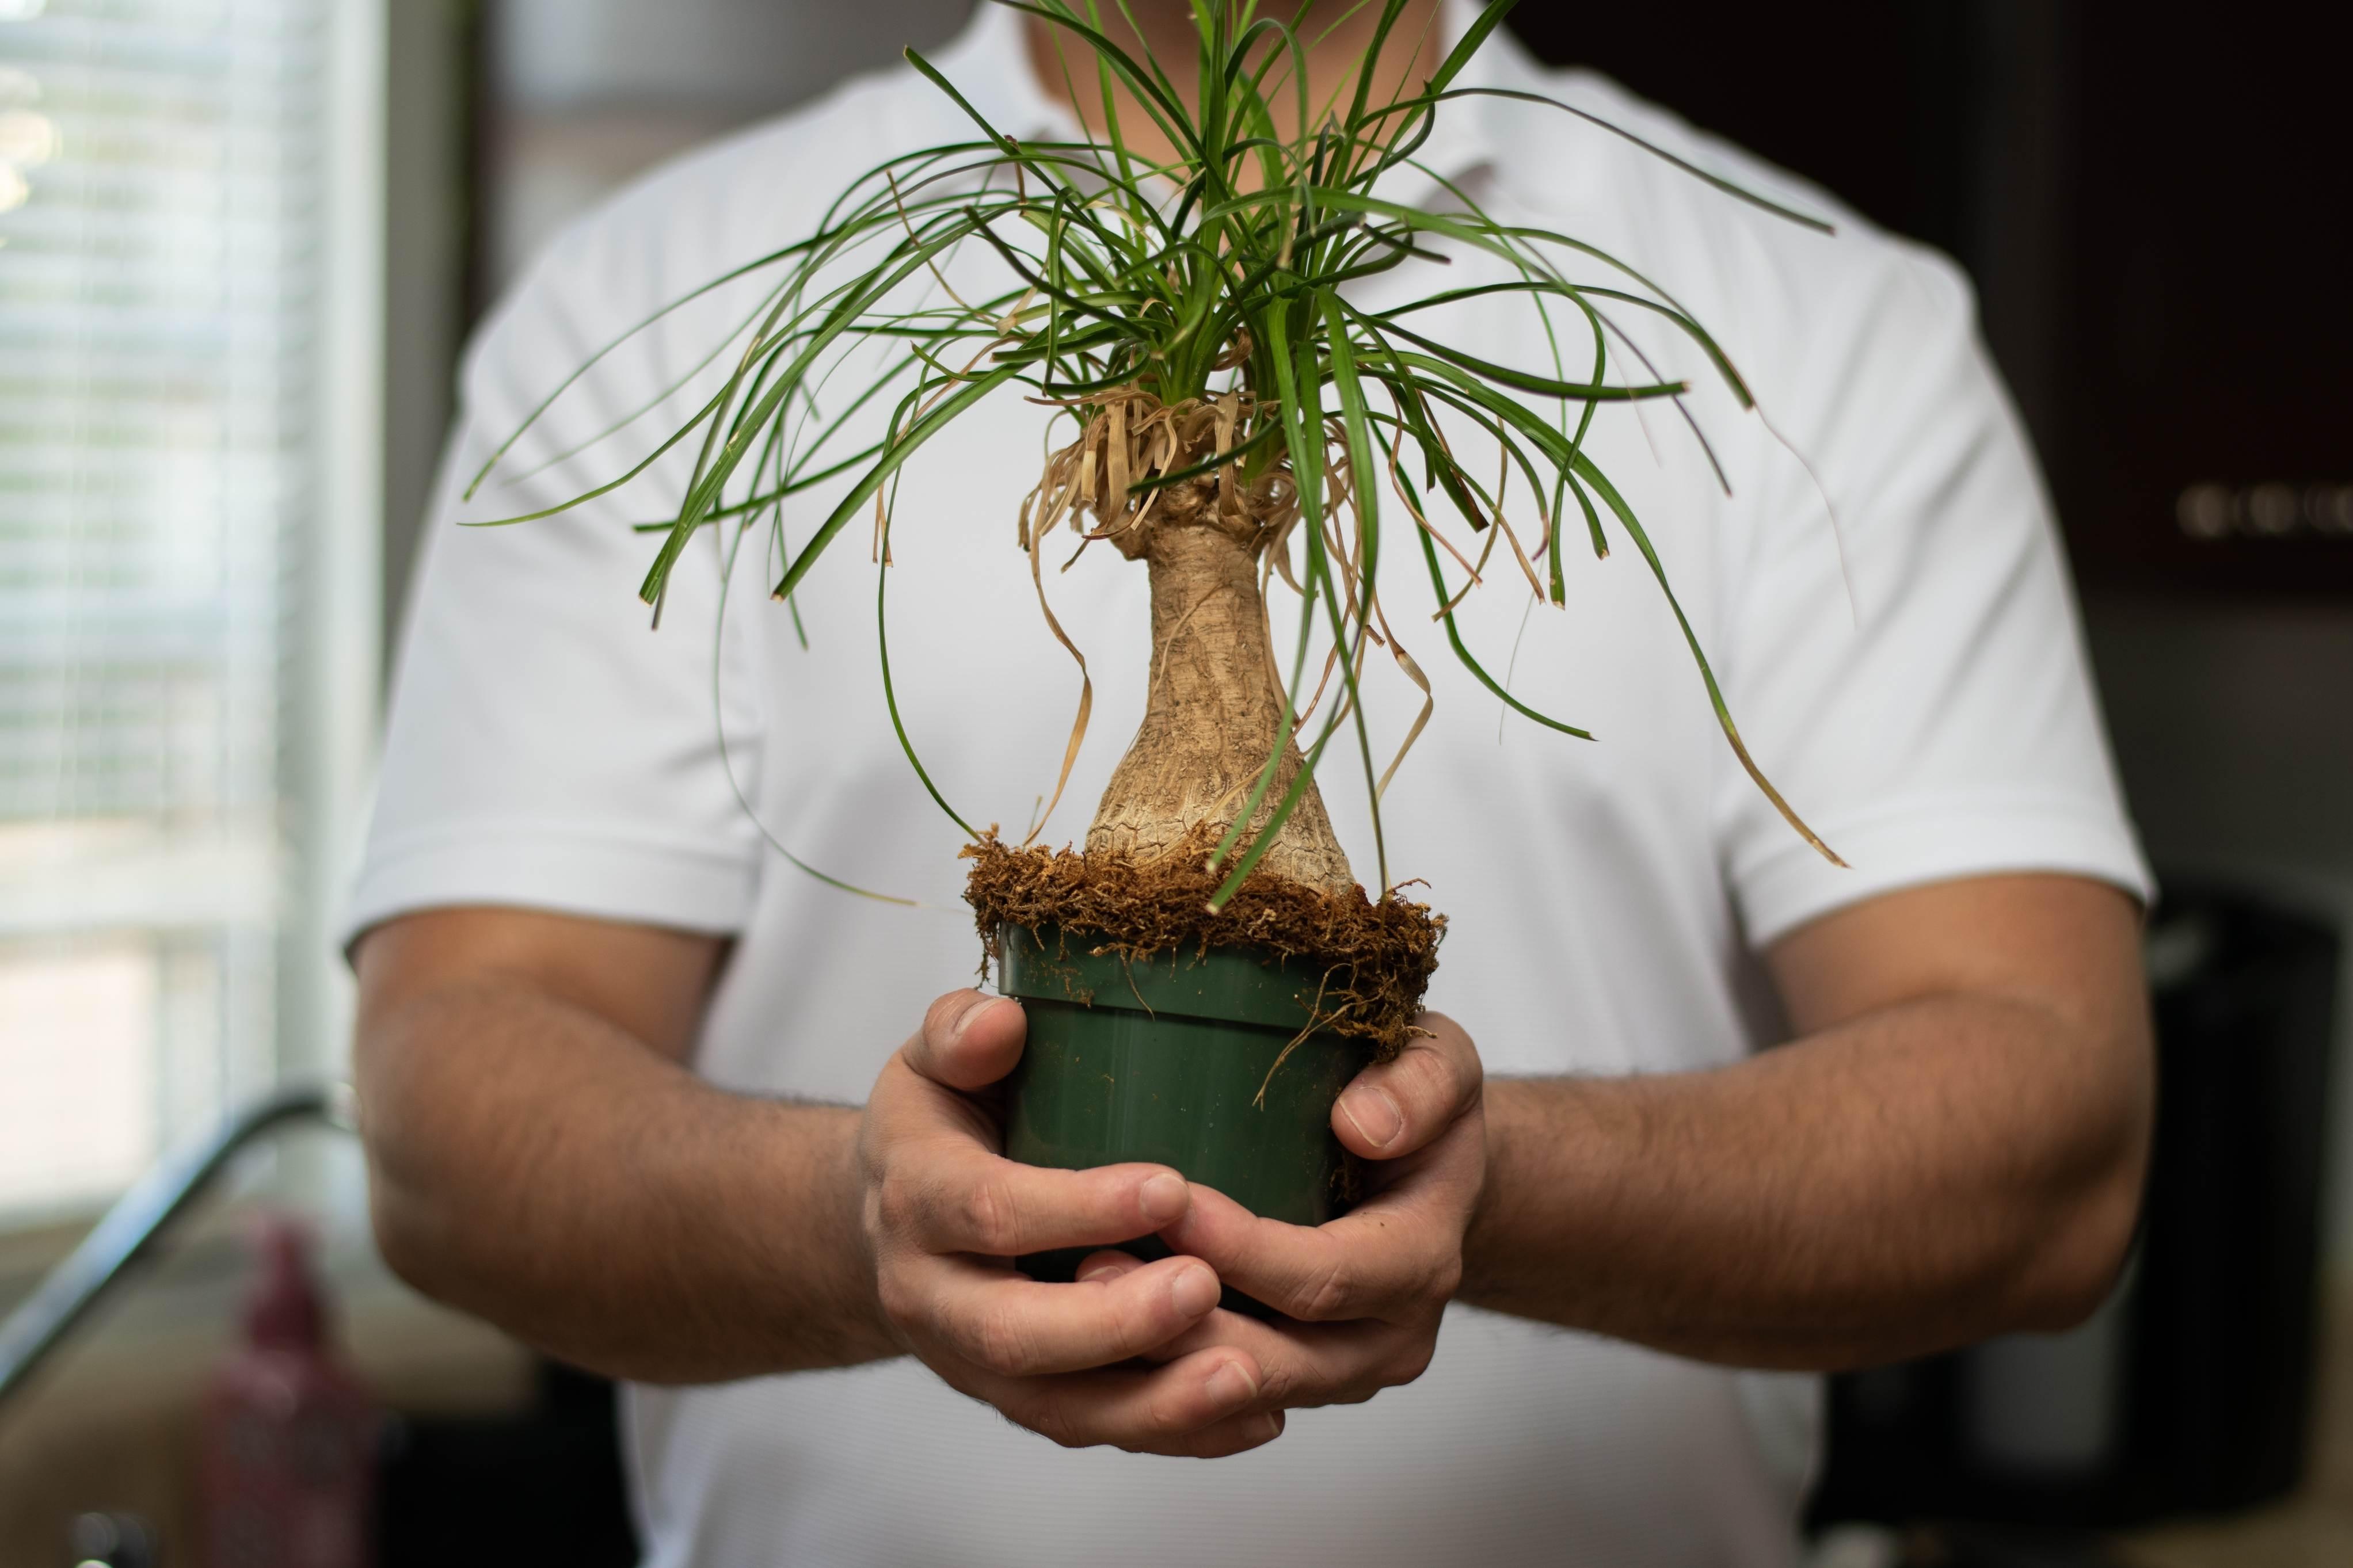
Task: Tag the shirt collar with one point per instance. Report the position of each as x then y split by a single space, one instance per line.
989 63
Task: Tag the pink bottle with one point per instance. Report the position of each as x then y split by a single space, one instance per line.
286 1472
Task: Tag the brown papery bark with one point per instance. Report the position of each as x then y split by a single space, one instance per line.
1212 715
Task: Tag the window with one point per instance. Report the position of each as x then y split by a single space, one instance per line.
187 533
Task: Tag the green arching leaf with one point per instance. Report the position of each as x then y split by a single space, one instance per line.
1729 187
677 385
1489 19
1152 94
1578 293
1503 376
892 461
1289 390
1318 579
761 502
1438 463
1478 670
1367 507
1265 839
680 434
1454 636
889 691
1592 519
727 762
569 382
1390 11
1003 143
712 473
1485 234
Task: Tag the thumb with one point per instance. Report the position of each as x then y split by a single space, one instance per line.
968 1040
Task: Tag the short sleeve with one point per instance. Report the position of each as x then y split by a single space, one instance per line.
1903 654
547 746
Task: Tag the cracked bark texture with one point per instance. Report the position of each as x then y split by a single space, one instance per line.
1212 714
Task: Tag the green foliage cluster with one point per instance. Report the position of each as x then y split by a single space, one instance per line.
1225 272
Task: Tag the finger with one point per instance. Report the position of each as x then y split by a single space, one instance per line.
1397 1254
1307 1366
1108 1265
968 1040
1203 1405
950 1195
1004 1323
1393 1107
1235 1434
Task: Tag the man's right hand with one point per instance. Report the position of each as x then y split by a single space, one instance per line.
945 1212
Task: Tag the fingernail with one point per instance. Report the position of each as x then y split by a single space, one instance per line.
1194 1292
966 1018
1099 1271
1164 1197
1373 1113
1231 1386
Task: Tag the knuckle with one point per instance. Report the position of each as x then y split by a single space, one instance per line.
993 1218
1445 1279
1412 1359
1288 1383
1445 1286
1162 1419
1282 1385
893 1205
1468 1070
1002 1342
1049 1421
1439 1080
899 1304
1328 1293
1132 1331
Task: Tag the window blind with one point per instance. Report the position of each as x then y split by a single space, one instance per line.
161 265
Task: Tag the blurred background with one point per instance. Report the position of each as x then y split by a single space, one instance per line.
241 243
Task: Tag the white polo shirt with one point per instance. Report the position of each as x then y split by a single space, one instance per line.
1907 670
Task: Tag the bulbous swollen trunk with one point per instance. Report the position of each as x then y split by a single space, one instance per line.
1211 717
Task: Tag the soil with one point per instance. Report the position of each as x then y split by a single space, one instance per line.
1376 958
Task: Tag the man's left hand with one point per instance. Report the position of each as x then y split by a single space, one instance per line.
1366 1291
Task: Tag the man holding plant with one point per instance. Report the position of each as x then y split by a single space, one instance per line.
615 1056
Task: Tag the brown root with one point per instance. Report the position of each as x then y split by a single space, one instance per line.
1132 438
1374 958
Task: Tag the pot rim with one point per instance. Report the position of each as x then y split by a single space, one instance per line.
1234 984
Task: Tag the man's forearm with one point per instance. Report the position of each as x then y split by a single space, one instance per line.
1944 1169
535 1166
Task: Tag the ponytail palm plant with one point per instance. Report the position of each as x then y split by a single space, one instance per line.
1233 416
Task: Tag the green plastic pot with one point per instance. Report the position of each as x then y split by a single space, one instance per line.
1177 1060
